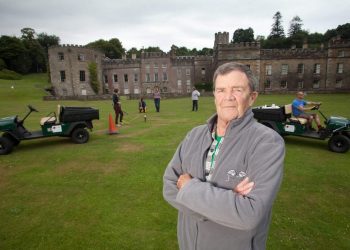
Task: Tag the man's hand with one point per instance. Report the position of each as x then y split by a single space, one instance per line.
183 179
244 187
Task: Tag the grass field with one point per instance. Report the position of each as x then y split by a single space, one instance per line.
107 194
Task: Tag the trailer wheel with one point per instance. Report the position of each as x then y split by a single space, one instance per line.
80 135
339 143
6 145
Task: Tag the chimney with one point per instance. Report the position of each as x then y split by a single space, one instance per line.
305 45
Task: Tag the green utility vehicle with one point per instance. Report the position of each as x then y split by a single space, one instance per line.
70 122
280 119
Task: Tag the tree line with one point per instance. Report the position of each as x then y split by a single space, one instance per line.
29 53
296 36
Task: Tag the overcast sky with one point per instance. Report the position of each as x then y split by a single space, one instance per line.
189 23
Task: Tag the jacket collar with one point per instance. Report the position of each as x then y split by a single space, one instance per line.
235 125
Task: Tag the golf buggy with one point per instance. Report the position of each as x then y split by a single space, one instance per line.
68 122
280 119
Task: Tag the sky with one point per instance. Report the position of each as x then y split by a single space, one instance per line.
162 23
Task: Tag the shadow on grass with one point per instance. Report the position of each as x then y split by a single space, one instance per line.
306 142
32 145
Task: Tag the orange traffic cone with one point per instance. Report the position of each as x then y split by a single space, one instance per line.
112 128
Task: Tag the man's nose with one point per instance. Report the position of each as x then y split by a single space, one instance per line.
230 95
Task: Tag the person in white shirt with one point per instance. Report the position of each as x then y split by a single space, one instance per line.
195 95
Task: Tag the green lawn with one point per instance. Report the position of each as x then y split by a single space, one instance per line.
107 194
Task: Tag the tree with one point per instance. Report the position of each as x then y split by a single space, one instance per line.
243 35
35 51
47 41
152 49
135 51
277 30
295 26
205 52
112 49
14 54
28 33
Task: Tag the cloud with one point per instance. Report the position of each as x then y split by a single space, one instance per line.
163 23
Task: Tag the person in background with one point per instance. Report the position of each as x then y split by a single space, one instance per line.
142 106
195 95
117 107
225 175
156 96
299 108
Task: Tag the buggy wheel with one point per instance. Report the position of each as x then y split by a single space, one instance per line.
80 135
6 145
339 143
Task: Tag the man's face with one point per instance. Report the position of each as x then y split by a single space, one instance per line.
300 95
232 96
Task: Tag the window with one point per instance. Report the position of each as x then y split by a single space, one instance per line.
164 65
203 71
63 75
148 78
188 72
106 78
300 85
81 57
179 83
188 82
268 70
267 84
248 65
156 77
317 68
156 65
341 53
136 77
283 84
147 68
60 56
316 83
338 83
165 76
340 67
179 72
82 75
115 78
284 69
300 68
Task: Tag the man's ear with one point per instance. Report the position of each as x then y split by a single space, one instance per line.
253 97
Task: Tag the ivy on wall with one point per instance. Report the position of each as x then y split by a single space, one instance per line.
93 77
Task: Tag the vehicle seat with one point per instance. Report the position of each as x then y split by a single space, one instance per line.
48 120
58 113
288 112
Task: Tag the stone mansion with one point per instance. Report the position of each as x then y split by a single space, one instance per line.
325 69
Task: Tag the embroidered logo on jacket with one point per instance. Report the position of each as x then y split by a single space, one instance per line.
231 174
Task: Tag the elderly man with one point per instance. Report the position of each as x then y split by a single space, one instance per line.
299 108
225 175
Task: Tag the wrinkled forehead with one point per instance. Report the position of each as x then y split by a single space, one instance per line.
234 79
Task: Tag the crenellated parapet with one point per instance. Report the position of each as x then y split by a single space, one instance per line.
182 60
127 61
292 53
339 43
145 55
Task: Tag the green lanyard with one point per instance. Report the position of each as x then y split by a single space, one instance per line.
218 139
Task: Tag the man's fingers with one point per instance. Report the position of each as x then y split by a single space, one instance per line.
242 183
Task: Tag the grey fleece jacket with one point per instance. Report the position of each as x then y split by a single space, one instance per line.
212 216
